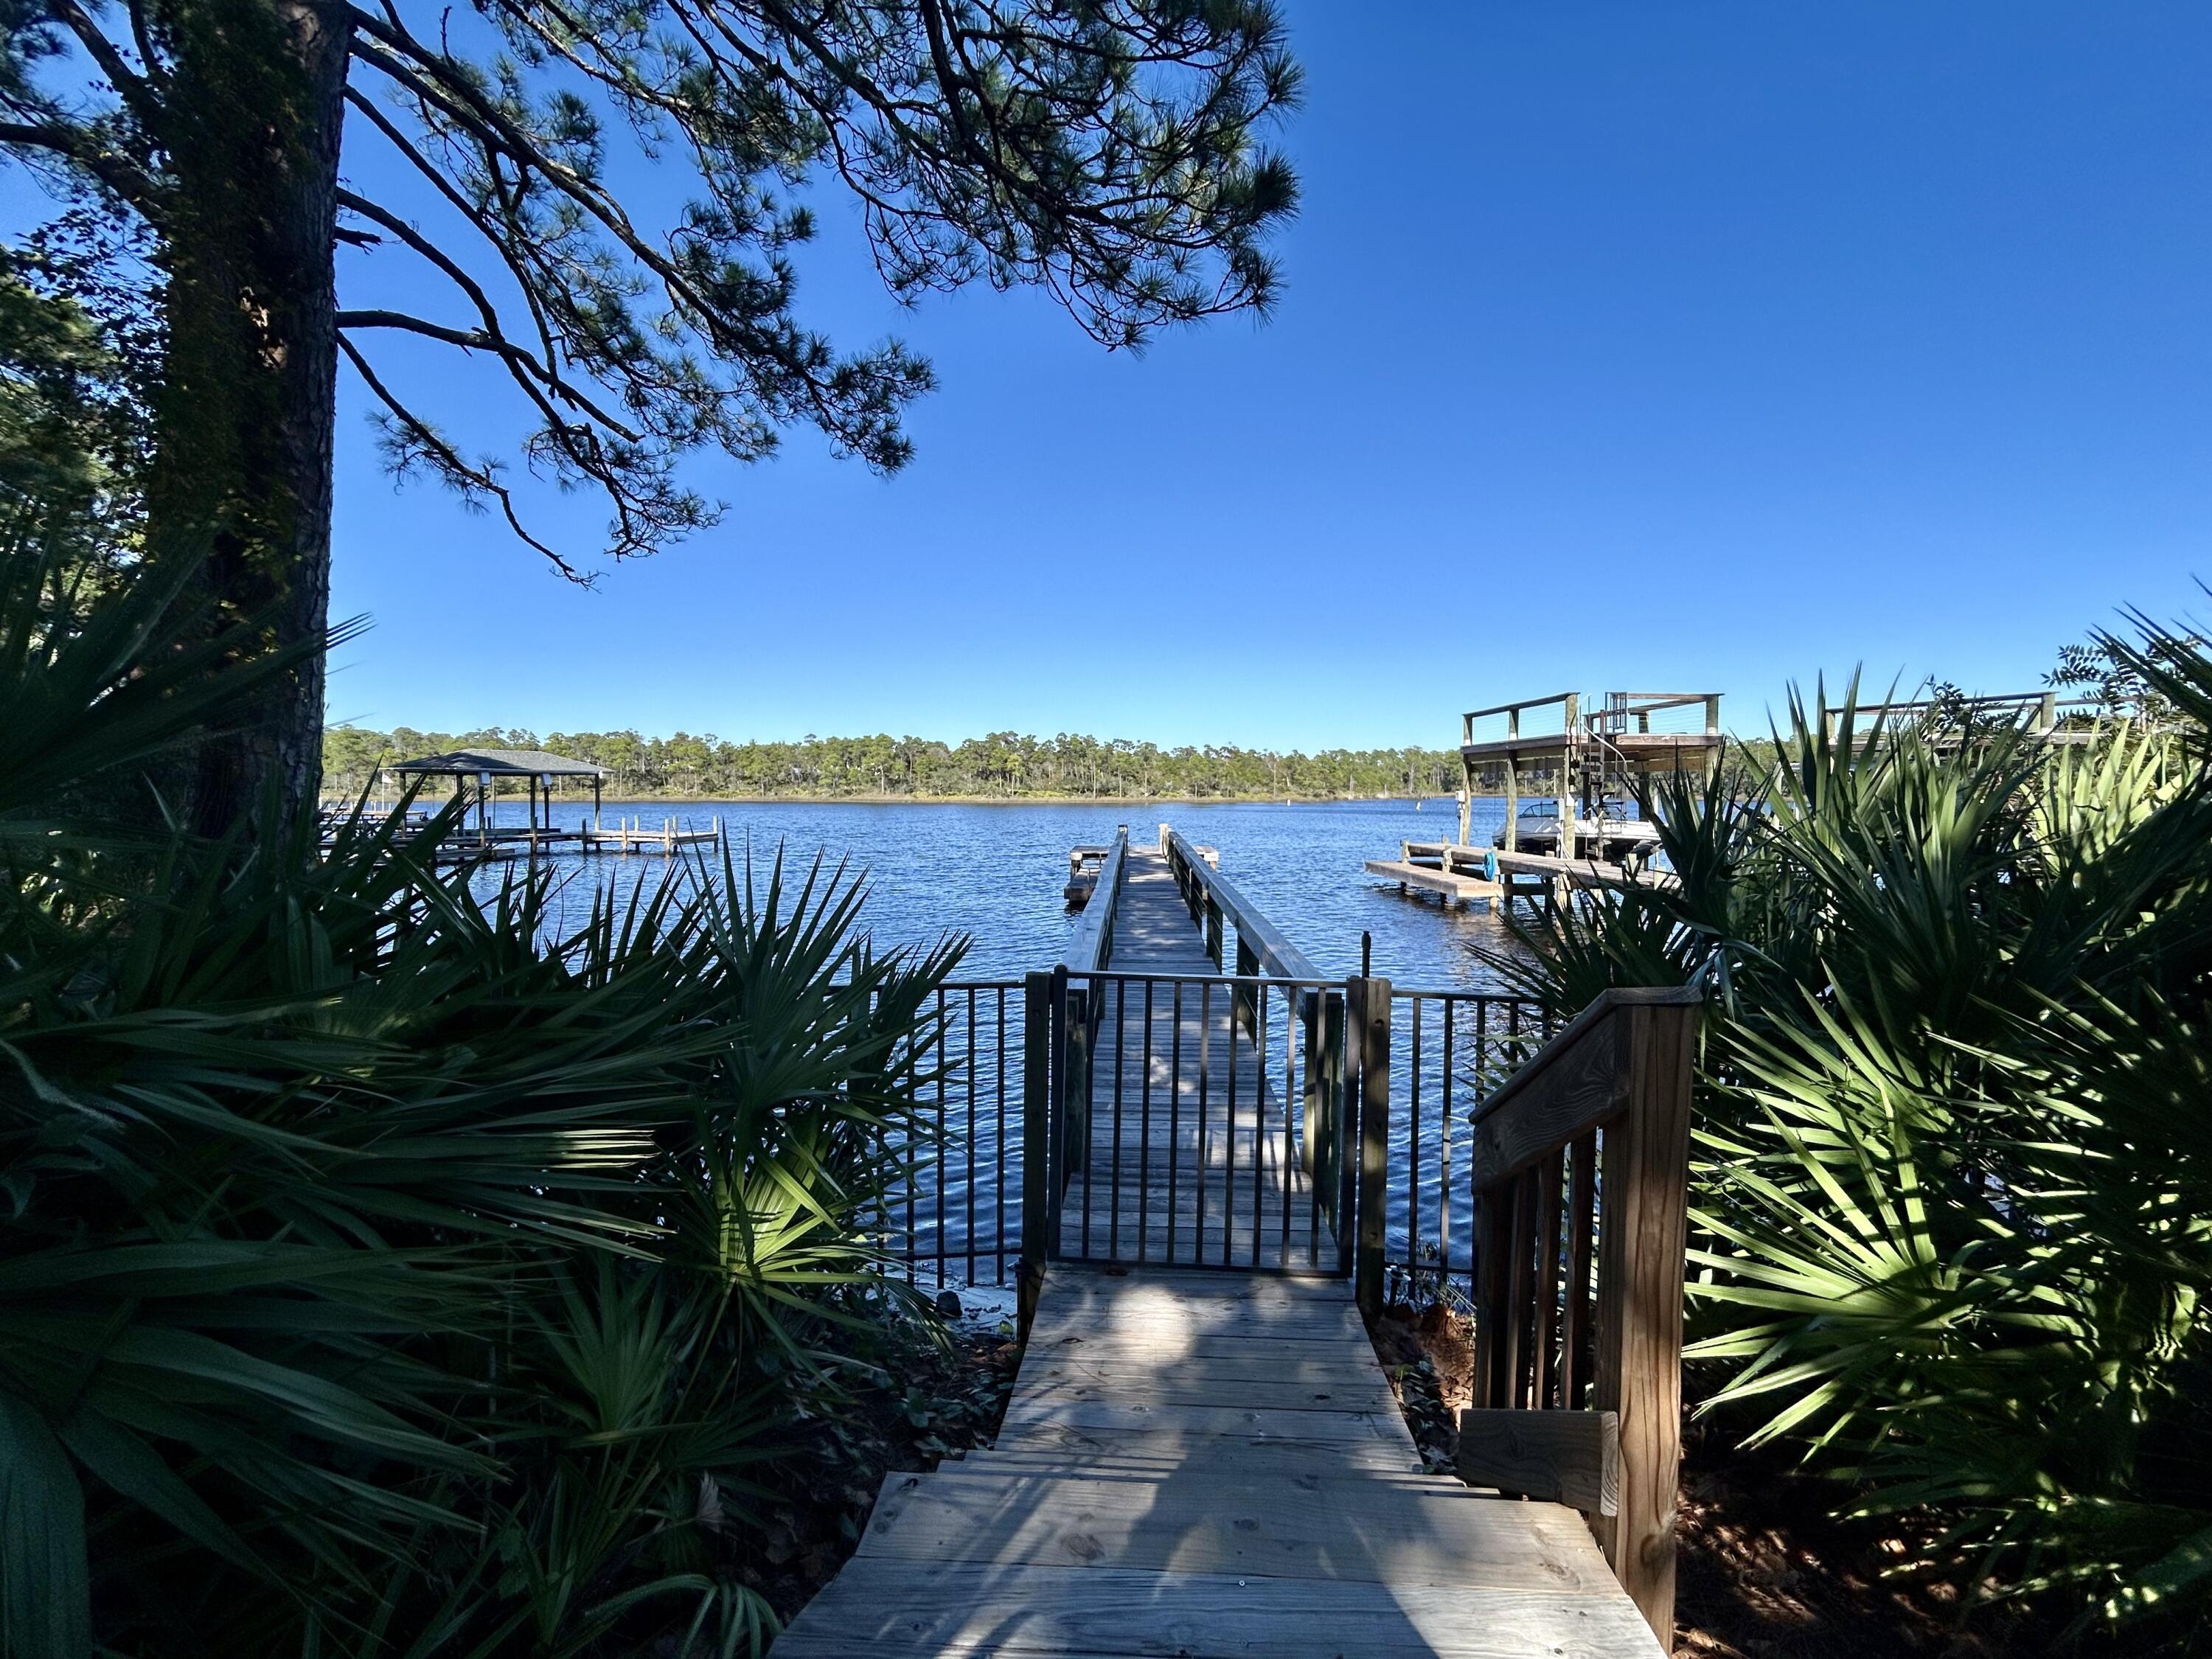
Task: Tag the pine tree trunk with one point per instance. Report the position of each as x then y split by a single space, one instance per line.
243 431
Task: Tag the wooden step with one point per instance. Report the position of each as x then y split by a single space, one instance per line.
1380 1529
884 1606
1191 1383
1222 1372
1072 1448
1245 1422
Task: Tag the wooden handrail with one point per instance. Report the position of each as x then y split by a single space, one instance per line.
1092 941
1516 708
1580 1164
1567 1088
1274 954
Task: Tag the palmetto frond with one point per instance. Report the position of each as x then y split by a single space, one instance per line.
1953 1172
385 1269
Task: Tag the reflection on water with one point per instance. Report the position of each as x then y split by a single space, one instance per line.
995 872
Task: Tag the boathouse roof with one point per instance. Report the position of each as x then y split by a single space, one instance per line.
503 764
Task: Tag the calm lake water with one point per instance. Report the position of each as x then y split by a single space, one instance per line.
994 873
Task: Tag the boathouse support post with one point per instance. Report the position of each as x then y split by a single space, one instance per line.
1367 1018
1466 778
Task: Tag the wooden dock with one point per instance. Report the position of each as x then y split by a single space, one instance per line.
630 837
1193 1144
1489 873
1211 1465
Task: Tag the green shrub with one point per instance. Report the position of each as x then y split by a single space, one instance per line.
1951 1228
384 1272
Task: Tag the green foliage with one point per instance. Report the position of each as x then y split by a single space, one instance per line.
2109 670
1004 763
382 1273
1111 154
72 431
1952 1216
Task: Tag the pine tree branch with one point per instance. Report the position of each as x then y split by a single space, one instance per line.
129 84
434 79
77 146
469 477
526 277
526 365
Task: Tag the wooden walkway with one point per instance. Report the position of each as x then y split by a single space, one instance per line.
1190 1141
1211 1464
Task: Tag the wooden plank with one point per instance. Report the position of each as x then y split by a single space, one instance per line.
1580 1080
1283 1465
1138 1347
1433 881
1349 1531
1493 1304
1386 1427
1520 1288
1575 1318
1100 1320
1085 1317
1190 1385
1299 1366
1199 1293
893 1608
1549 1179
1565 1457
1066 1447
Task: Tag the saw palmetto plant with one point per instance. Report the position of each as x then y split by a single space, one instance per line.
1952 1233
384 1270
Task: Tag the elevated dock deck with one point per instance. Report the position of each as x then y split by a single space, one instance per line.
1210 1465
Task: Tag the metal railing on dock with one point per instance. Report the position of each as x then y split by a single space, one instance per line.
1149 1055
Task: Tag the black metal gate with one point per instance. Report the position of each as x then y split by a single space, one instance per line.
1188 1120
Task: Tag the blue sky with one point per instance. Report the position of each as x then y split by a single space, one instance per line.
1693 346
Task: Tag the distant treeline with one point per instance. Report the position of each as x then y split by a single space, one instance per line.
1004 763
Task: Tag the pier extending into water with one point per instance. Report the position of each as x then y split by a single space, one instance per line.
634 836
1186 1133
1209 1163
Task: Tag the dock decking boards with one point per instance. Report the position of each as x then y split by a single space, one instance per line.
1190 1141
1211 1464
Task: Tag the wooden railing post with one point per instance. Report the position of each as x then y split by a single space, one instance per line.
1645 1192
1368 1021
1075 1083
1313 1016
1036 1139
1493 1295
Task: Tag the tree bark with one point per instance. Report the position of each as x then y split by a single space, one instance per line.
242 471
